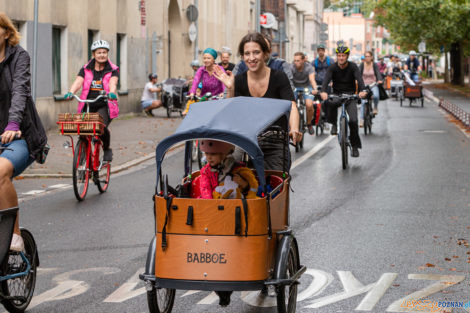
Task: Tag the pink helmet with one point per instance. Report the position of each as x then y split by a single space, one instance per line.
216 146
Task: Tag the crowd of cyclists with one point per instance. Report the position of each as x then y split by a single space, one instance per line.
259 73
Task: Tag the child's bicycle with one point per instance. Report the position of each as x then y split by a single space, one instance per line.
17 269
87 152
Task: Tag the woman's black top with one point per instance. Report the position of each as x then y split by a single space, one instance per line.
278 86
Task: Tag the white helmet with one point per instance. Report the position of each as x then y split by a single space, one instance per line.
99 44
194 63
412 52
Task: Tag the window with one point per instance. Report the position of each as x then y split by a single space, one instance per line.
93 35
121 60
56 61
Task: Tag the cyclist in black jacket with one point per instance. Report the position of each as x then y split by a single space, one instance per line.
344 75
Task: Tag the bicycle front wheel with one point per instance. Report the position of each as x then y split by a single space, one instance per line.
102 176
80 174
20 289
344 143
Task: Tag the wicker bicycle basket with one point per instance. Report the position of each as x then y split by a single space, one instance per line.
80 123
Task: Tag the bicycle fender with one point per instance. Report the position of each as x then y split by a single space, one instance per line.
150 264
282 256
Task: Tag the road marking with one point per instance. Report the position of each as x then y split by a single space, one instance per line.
435 131
373 296
312 152
212 298
353 287
59 186
443 282
190 292
67 288
127 290
32 192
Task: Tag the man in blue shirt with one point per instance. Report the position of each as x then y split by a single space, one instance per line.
412 64
321 64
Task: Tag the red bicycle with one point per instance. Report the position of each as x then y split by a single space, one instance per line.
87 153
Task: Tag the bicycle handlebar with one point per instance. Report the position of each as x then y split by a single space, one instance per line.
343 96
91 100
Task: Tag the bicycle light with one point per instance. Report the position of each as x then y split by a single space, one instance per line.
67 144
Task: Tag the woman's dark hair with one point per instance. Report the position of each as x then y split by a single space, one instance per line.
371 54
254 37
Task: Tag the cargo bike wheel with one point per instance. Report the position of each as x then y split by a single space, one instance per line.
80 173
287 294
101 177
160 300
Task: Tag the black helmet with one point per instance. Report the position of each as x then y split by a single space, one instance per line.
342 49
152 76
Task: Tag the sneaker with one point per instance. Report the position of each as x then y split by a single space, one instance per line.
311 130
224 297
17 243
355 152
361 123
108 155
376 111
149 113
334 129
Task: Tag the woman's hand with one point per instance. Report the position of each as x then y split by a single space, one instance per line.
9 135
226 78
240 181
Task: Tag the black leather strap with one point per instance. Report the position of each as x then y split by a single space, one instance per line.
167 216
245 212
238 221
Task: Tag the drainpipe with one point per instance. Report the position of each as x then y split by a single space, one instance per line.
35 50
196 42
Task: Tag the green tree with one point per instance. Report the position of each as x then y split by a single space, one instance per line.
439 23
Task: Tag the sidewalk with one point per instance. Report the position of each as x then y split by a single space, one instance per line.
133 140
450 94
455 101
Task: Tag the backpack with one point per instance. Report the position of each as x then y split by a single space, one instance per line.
328 62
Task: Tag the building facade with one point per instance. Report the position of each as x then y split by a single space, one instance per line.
145 36
297 25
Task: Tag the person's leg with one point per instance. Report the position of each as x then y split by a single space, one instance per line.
376 98
351 108
106 136
309 107
331 109
8 196
156 104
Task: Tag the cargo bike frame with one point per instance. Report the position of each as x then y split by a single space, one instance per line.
88 151
224 244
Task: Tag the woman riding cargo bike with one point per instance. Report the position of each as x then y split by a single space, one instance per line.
225 241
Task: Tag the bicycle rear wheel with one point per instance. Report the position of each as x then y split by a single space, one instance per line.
344 143
160 300
80 174
21 289
102 176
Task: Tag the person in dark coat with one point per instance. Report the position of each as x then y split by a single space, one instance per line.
22 135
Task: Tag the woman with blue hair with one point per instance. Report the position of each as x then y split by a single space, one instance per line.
205 74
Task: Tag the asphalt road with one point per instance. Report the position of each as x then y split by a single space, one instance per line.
392 227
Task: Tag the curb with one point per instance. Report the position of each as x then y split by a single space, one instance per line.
114 170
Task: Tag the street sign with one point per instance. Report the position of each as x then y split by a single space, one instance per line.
422 47
323 37
263 19
192 13
269 21
192 32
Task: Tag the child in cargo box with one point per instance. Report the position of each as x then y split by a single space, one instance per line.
223 177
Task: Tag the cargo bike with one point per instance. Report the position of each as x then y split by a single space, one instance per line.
225 245
414 93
